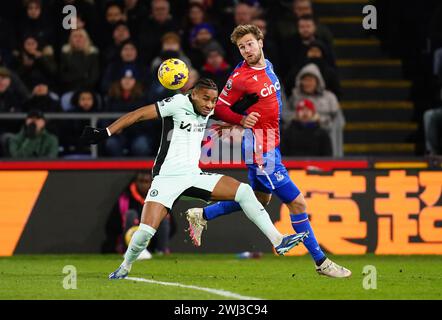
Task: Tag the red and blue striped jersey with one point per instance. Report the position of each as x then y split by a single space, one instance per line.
264 82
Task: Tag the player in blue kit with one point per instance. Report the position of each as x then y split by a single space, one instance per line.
255 82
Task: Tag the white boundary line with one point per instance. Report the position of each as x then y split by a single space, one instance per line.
223 293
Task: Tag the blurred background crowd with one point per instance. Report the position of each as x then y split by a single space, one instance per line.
109 64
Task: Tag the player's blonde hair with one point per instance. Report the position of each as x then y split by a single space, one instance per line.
244 29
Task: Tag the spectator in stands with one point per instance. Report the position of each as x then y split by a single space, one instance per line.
296 46
126 216
83 101
79 66
35 22
196 15
128 59
11 99
114 14
201 37
316 53
33 140
304 136
35 62
216 67
433 131
87 18
270 46
310 85
160 22
125 95
170 45
63 35
286 27
42 99
120 34
243 14
135 12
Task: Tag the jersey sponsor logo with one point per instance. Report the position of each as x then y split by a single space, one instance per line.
153 193
193 127
269 90
229 84
187 127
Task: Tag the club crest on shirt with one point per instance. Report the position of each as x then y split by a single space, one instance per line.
164 101
279 176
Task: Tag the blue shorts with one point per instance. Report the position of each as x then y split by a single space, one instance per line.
273 177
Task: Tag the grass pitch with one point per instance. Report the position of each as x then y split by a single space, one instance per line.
271 277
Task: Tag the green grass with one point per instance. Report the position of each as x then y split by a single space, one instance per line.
271 277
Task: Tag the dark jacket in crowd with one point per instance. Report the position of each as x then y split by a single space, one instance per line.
44 103
79 70
44 145
306 139
43 69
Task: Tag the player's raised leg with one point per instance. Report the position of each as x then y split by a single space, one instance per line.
229 188
301 223
151 217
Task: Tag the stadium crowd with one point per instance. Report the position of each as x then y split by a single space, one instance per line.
109 64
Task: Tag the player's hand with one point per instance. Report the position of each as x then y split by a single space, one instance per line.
220 128
246 102
92 135
250 120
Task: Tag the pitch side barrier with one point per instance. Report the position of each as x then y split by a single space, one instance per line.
356 206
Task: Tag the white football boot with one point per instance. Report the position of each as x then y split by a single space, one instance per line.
145 255
333 270
196 224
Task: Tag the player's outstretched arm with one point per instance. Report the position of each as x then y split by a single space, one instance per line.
92 135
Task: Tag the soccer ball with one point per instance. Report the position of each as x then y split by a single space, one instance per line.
173 74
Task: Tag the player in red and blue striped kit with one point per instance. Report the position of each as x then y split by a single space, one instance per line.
254 87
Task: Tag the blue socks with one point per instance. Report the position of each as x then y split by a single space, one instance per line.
300 223
220 208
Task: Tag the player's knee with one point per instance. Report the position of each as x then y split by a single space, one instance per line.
244 191
298 205
265 200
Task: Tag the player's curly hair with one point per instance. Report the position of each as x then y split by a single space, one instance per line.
206 83
241 30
